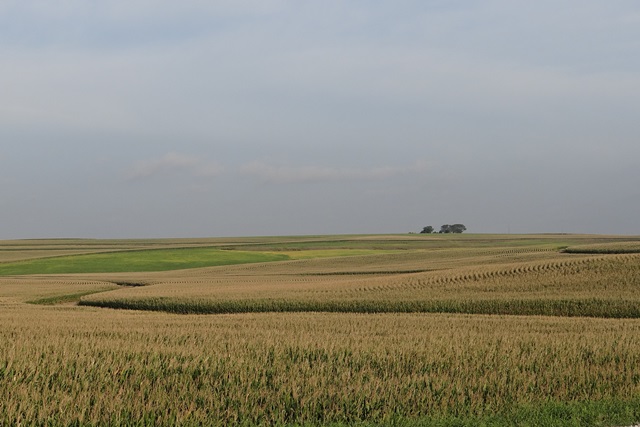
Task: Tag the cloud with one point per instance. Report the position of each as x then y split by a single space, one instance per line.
173 163
288 174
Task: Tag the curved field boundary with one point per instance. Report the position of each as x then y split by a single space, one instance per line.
567 307
66 298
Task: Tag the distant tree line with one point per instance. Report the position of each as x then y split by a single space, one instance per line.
445 229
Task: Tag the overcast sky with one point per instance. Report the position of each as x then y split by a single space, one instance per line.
194 118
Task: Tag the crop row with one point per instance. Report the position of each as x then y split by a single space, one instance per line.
544 307
632 247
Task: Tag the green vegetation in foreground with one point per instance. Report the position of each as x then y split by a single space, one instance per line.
611 413
552 414
137 261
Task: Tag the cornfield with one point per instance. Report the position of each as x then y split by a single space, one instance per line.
450 335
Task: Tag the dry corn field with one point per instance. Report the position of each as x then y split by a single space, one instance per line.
403 330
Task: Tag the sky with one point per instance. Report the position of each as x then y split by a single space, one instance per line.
140 118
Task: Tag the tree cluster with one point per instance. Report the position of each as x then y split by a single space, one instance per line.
446 228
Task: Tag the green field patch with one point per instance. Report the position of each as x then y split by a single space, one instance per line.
138 261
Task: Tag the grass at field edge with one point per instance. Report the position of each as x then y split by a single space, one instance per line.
552 414
68 298
610 413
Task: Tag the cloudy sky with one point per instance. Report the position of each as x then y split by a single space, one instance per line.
141 118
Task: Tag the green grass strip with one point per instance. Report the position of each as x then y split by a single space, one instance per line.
66 298
607 413
137 261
